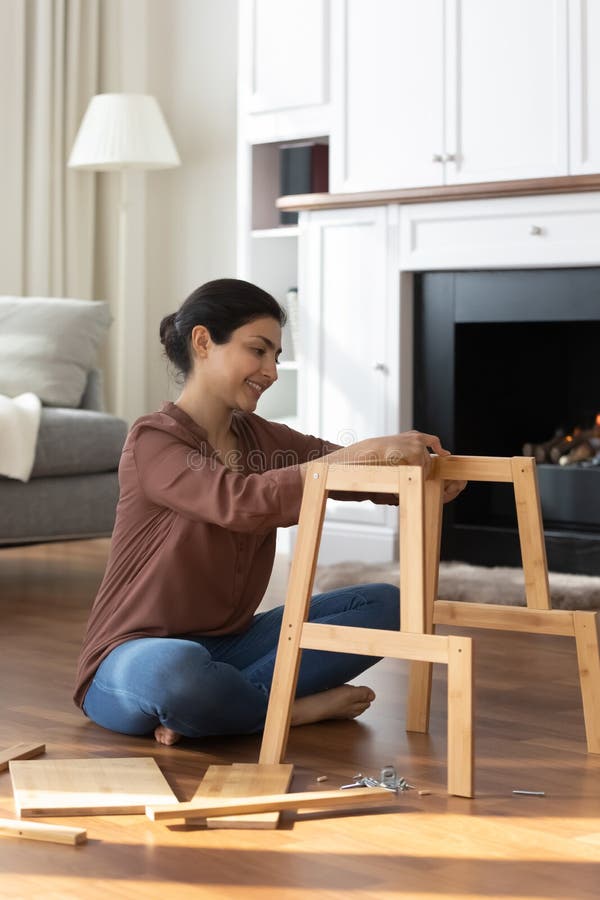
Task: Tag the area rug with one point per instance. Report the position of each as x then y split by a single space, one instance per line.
473 584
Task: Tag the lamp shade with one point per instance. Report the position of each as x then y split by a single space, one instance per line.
122 131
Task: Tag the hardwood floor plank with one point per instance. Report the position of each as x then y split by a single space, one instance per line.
529 734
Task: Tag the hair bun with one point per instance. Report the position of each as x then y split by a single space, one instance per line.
168 330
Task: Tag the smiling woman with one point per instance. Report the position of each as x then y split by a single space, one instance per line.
173 644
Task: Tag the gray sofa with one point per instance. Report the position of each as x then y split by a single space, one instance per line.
73 489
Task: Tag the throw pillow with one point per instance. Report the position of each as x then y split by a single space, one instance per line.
48 345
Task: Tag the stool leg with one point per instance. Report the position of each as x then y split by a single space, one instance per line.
460 716
585 625
531 533
287 662
411 504
419 679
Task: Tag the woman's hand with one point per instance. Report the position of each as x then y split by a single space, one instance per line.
452 489
409 447
412 448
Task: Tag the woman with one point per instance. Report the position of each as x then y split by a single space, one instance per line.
173 645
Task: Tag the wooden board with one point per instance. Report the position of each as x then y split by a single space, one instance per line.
89 787
20 751
354 797
38 831
244 780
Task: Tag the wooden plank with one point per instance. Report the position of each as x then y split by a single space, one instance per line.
20 751
473 468
588 660
302 575
460 717
374 642
418 702
244 780
39 831
355 797
531 533
90 787
411 504
503 618
364 479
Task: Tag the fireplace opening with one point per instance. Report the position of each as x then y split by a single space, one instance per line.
503 359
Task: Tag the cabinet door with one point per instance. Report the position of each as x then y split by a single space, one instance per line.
387 91
346 391
506 89
289 54
584 83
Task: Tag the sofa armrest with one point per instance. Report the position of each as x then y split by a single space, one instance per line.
93 395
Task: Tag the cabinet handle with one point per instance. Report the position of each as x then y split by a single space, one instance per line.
437 158
380 367
535 229
450 157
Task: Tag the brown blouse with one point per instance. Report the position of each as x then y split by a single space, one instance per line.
194 540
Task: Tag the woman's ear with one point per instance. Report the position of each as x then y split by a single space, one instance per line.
200 340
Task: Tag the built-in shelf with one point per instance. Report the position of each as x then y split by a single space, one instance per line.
284 231
524 187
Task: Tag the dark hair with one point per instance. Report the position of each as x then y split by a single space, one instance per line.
222 306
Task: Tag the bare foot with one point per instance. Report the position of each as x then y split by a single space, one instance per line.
344 702
164 735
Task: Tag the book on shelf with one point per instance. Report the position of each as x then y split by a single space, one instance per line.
303 169
291 308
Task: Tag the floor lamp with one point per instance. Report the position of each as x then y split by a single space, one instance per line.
121 132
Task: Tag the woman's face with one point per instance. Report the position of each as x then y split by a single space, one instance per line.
241 370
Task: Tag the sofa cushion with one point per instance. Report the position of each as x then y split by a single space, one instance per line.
77 441
48 345
58 509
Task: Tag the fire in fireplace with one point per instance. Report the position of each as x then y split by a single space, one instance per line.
506 363
579 448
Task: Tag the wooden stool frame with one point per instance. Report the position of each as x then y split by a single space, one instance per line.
412 642
537 617
420 516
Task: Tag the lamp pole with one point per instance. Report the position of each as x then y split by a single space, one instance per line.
121 392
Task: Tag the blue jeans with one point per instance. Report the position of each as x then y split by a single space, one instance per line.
200 686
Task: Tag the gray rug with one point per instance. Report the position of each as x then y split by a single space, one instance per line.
474 584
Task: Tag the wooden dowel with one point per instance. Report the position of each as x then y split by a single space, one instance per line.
240 805
39 831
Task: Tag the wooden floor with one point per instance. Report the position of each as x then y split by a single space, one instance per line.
529 735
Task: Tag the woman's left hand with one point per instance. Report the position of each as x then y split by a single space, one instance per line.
452 489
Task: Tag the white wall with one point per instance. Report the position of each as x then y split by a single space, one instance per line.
191 67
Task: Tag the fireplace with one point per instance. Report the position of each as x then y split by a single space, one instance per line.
502 358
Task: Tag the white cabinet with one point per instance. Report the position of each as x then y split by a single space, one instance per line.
448 91
284 68
387 71
506 89
349 331
584 84
555 230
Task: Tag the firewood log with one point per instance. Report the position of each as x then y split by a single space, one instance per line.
541 452
582 451
568 443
